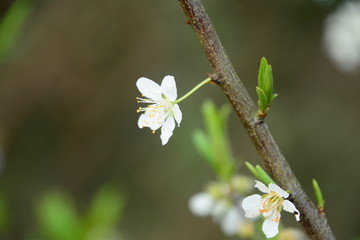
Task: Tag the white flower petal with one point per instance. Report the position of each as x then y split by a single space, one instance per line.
290 207
153 120
201 204
231 223
168 87
167 129
177 114
149 88
219 210
341 36
252 205
278 190
261 187
270 212
270 227
141 121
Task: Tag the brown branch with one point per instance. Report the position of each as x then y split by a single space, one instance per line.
275 163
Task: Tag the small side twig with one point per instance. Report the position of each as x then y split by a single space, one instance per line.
275 163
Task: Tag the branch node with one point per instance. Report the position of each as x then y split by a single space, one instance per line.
216 78
259 121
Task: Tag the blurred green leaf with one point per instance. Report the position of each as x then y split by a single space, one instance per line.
224 112
4 215
214 146
12 24
106 208
58 217
204 147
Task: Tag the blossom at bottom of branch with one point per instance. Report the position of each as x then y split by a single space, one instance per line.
269 205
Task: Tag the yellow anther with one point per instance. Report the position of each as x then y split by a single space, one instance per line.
153 131
263 210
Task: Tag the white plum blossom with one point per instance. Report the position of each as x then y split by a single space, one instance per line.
229 216
222 201
202 204
162 110
342 36
269 205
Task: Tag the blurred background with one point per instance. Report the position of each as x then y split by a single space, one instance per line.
69 141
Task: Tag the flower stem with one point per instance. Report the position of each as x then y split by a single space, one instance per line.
193 90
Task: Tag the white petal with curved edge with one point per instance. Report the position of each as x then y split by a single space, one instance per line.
201 204
259 185
167 129
153 120
149 88
270 227
290 207
168 87
278 190
252 205
141 121
177 114
231 223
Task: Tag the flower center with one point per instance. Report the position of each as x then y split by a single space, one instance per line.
272 201
155 107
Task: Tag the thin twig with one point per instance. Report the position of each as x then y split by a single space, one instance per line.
275 163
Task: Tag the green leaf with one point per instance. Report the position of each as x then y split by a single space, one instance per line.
216 129
58 217
262 99
227 170
12 24
214 145
263 176
252 169
4 215
224 113
106 208
262 69
268 83
272 98
204 147
319 196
